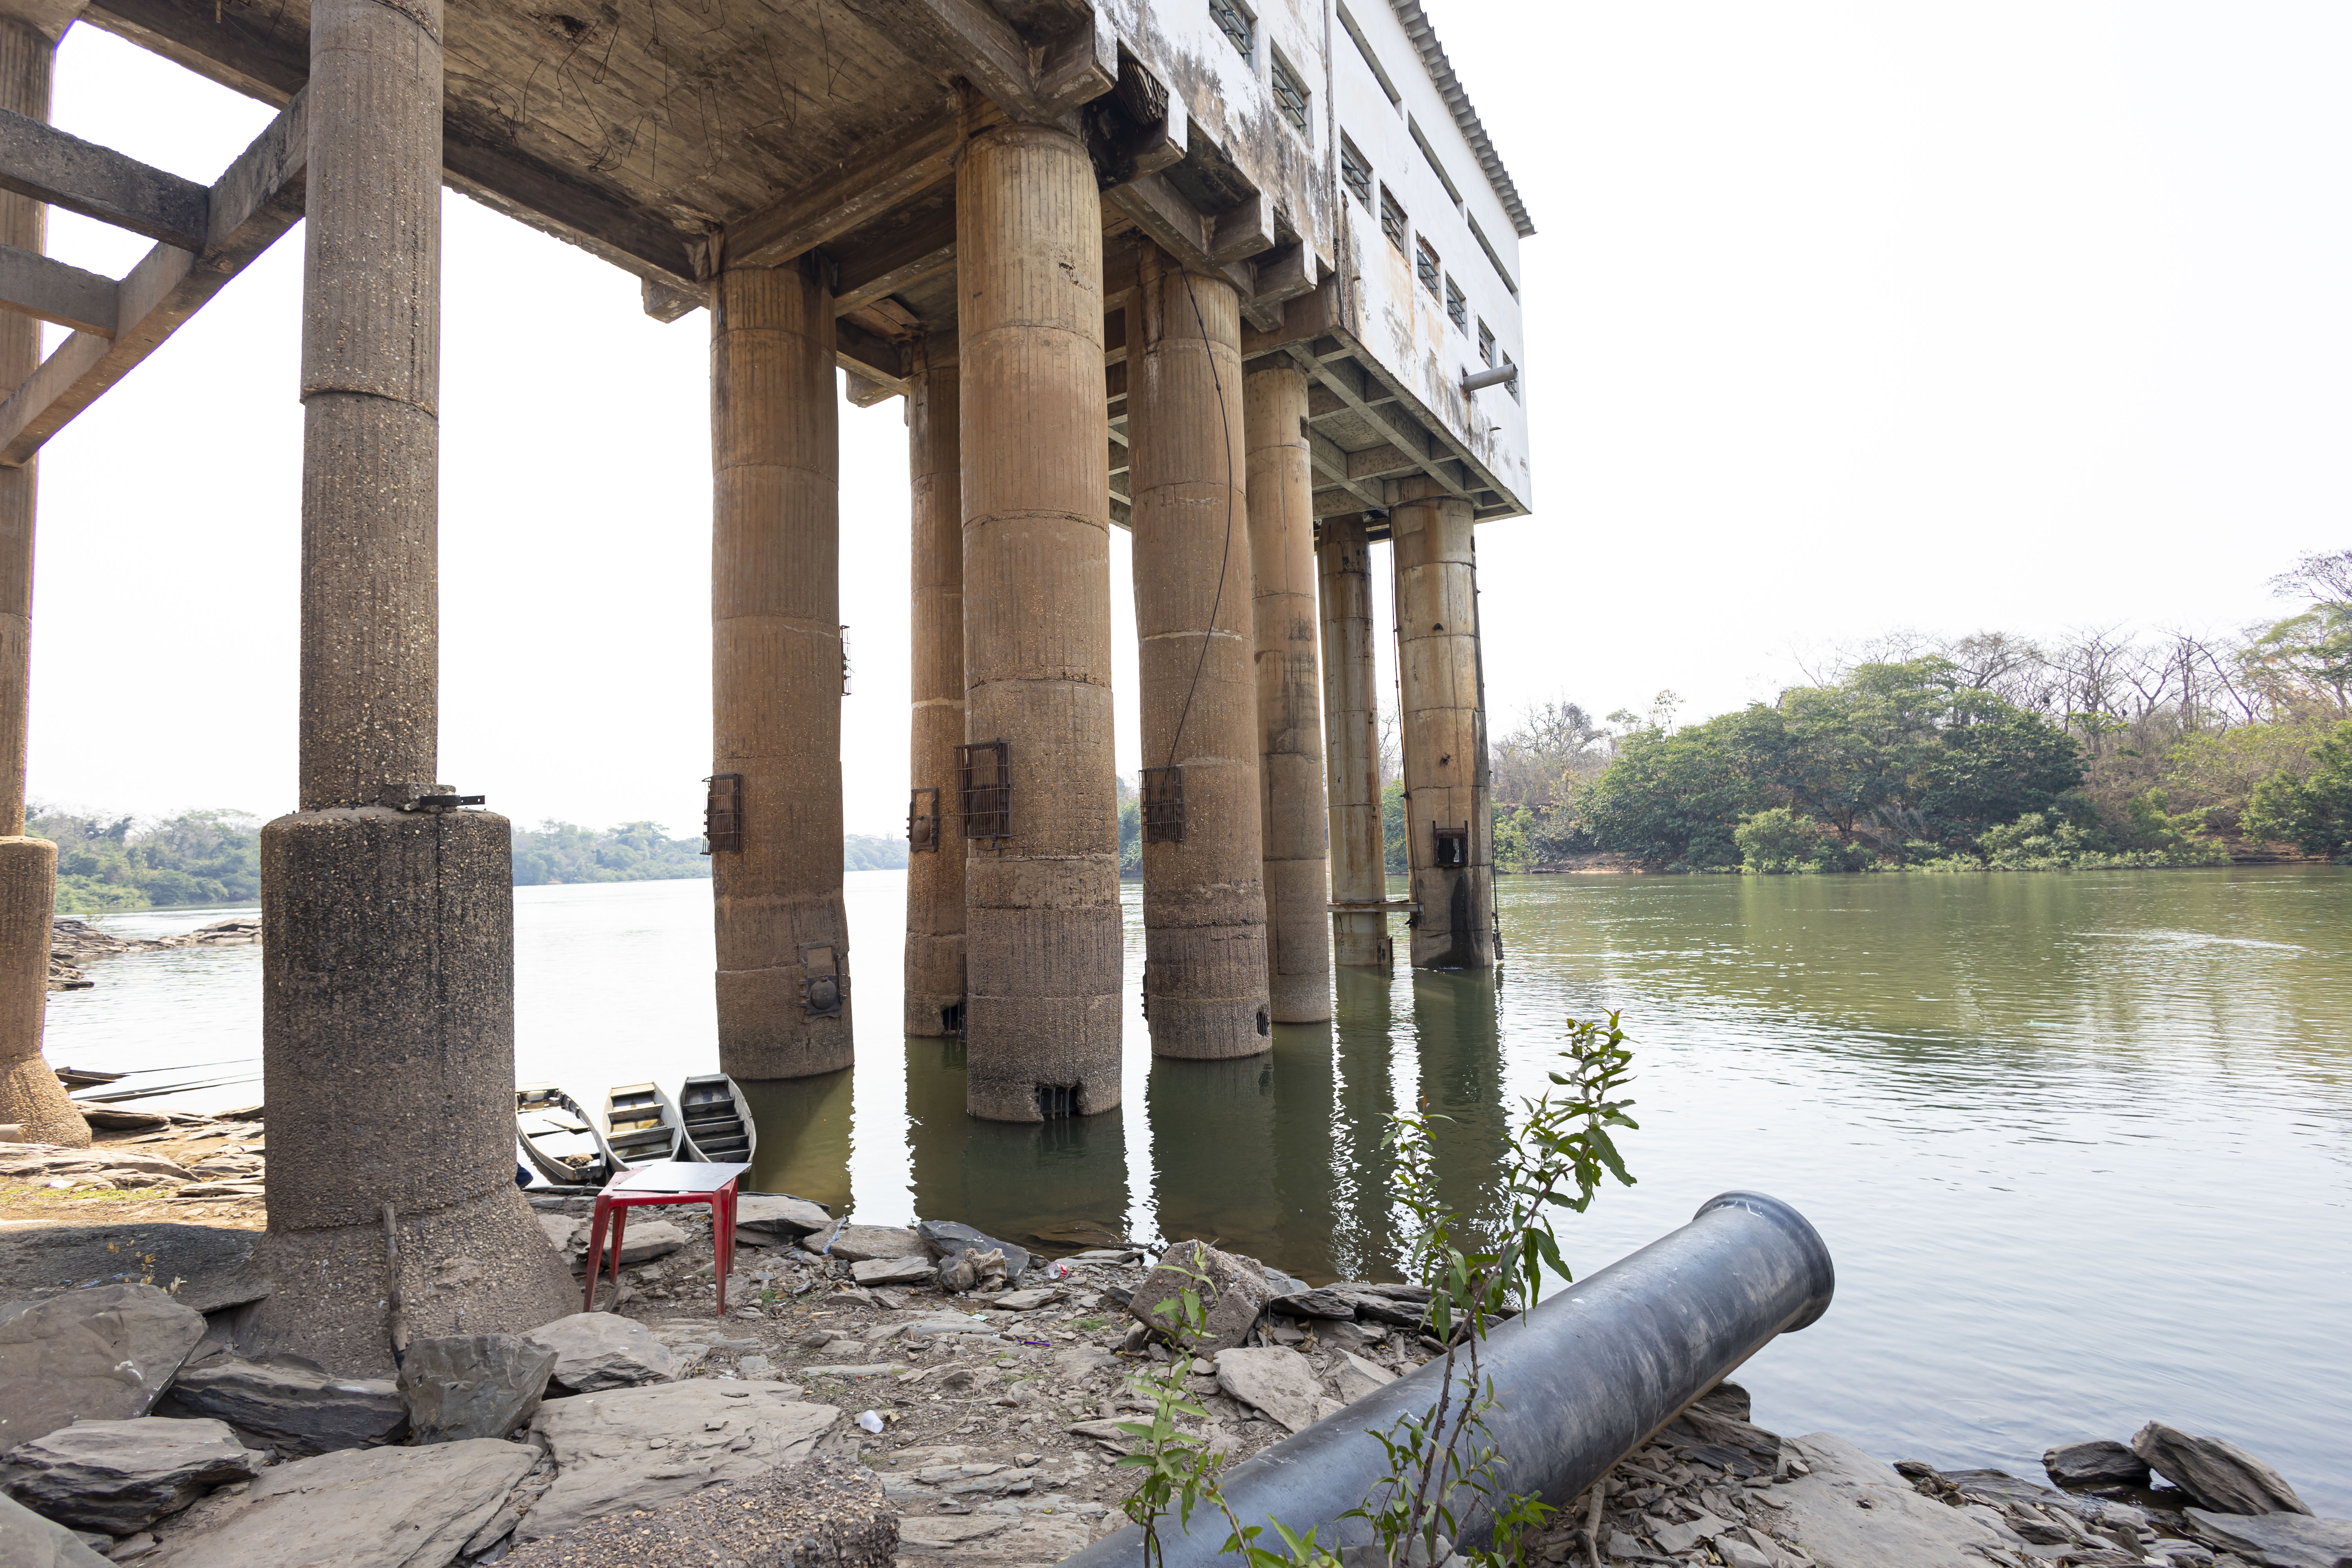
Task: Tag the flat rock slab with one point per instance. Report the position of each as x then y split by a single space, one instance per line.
1027 1301
643 1448
100 1354
123 1475
778 1217
825 1511
597 1351
863 1243
1328 1304
2222 1477
294 1409
893 1271
1825 1514
643 1240
568 1234
994 1537
2276 1539
473 1385
37 1260
1235 1293
28 1540
361 1508
1278 1381
1358 1377
2101 1463
108 1164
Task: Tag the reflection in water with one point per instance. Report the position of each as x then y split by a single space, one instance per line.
1363 1243
805 1126
1454 1019
1010 1179
1213 1135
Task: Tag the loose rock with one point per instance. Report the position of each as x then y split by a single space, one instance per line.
290 1407
825 1511
602 1349
100 1354
107 1166
1235 1293
2094 1464
773 1218
1278 1382
473 1385
1358 1377
642 1447
892 1271
860 1243
122 1475
2276 1539
946 1238
2222 1477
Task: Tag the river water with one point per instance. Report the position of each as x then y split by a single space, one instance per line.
2080 1144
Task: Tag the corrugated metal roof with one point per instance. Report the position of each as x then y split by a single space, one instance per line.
1449 87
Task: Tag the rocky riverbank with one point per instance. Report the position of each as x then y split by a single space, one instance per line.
904 1395
74 942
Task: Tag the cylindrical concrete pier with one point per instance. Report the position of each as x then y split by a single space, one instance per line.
1353 753
30 1094
387 960
1281 490
1204 970
1448 819
935 852
1041 916
776 674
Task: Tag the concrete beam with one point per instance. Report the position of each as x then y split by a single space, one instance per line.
1033 85
256 201
852 193
922 251
32 284
45 164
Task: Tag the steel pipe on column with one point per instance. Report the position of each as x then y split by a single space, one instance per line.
1449 828
1352 754
935 852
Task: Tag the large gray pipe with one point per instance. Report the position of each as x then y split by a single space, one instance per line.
1583 1381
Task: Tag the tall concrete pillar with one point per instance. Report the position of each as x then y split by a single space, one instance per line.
935 857
775 674
1041 896
388 947
30 1094
1449 825
1205 968
1352 720
1289 694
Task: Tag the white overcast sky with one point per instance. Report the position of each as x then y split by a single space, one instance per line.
1840 317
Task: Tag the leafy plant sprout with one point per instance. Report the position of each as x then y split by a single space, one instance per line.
1441 1464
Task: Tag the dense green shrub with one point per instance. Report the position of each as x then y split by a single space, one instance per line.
2313 811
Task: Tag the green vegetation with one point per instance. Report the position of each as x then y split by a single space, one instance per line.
1986 751
560 852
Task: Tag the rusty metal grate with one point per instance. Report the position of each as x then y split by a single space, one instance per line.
1163 806
822 984
722 815
923 821
1449 846
984 789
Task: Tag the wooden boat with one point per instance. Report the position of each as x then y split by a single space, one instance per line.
558 1139
641 1124
717 1120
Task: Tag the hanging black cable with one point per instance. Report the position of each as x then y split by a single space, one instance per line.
1225 424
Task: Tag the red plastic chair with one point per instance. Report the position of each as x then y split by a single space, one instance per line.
665 1182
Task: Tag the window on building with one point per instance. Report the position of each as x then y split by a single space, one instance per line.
1425 262
1487 345
1291 95
1512 385
1356 172
1457 308
1391 218
1238 23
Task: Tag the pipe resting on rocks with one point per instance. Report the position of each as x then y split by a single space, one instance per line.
1582 1381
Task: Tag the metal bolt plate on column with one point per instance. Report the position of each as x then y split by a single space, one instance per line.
722 815
1163 806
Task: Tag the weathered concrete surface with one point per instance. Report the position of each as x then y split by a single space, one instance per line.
388 1029
122 1475
641 1447
292 1409
100 1354
776 670
1351 771
1444 722
1042 921
362 1507
934 964
1206 993
1281 492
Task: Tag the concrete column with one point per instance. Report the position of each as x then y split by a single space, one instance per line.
775 673
1205 967
1445 785
935 874
1352 758
388 950
30 1094
1289 696
1041 909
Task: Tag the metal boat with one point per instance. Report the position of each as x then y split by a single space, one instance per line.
641 1124
718 1120
558 1140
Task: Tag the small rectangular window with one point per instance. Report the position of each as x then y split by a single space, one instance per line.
1238 24
1512 385
1486 344
1356 172
1457 308
1291 95
1426 264
1391 218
